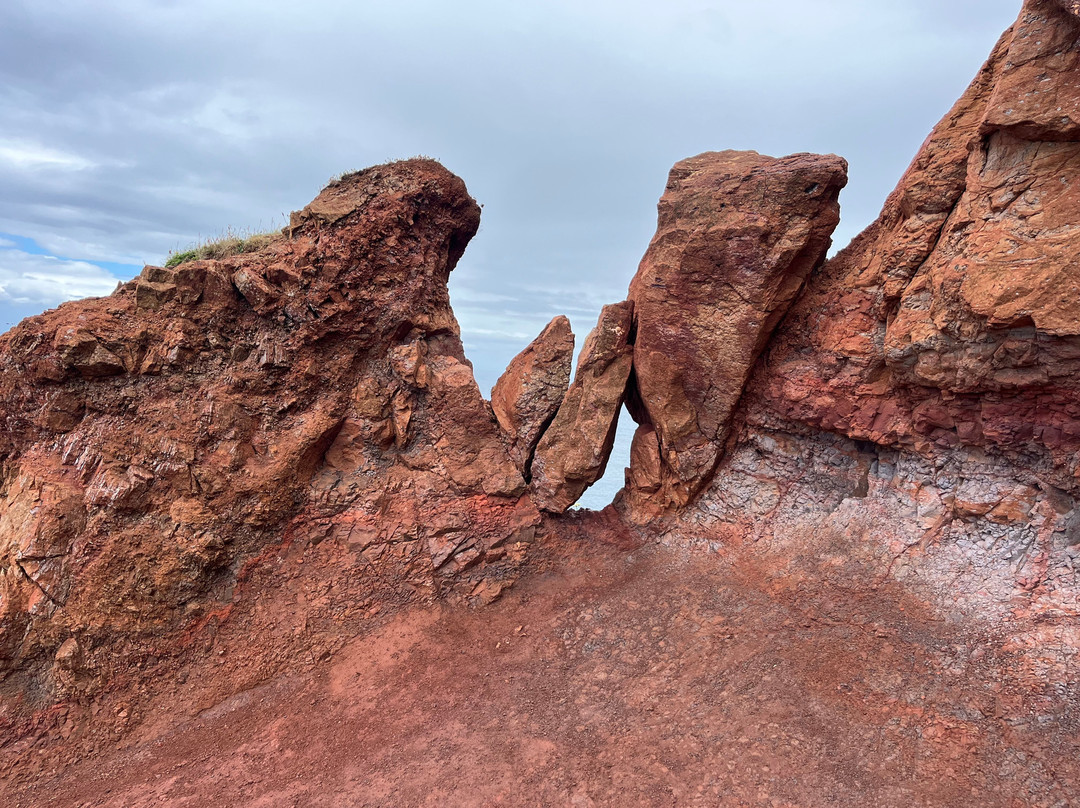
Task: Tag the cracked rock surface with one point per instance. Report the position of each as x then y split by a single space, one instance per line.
262 541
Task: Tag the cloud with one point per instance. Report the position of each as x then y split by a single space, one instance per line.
136 127
47 281
33 156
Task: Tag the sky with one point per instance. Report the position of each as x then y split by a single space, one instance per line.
133 128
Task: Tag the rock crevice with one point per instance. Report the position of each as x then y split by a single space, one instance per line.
574 450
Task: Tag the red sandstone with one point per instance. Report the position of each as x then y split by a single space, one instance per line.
263 542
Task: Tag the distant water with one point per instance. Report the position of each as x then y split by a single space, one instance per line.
603 490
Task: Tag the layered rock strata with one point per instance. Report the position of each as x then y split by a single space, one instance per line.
917 410
952 320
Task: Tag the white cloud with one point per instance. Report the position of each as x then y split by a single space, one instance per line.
500 325
26 155
6 243
562 117
48 281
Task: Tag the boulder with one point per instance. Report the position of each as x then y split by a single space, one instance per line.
737 235
527 396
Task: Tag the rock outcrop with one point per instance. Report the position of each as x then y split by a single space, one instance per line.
254 457
918 406
156 440
953 320
574 450
527 396
737 235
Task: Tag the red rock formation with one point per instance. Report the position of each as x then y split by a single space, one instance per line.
737 235
918 411
574 450
155 439
231 451
953 320
527 396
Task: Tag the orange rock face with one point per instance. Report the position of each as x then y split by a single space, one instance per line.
267 451
953 320
155 439
737 235
574 450
918 410
527 396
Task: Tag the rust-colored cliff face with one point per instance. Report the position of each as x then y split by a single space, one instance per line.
919 406
156 439
866 471
953 320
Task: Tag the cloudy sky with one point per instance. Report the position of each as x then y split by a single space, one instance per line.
132 128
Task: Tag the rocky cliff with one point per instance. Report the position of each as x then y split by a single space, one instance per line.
159 440
919 402
276 447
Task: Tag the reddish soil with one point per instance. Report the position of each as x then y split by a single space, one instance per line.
612 677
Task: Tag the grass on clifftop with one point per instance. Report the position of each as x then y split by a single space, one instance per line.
227 244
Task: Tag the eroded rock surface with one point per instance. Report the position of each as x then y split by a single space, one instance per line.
919 407
238 484
737 235
527 396
155 440
574 450
952 321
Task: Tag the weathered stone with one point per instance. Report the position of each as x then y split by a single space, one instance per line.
81 351
256 290
328 388
1037 97
916 413
737 235
527 396
573 452
150 295
954 320
644 474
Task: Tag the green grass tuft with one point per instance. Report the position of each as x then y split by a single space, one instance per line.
228 244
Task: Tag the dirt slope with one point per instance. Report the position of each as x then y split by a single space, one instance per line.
617 677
